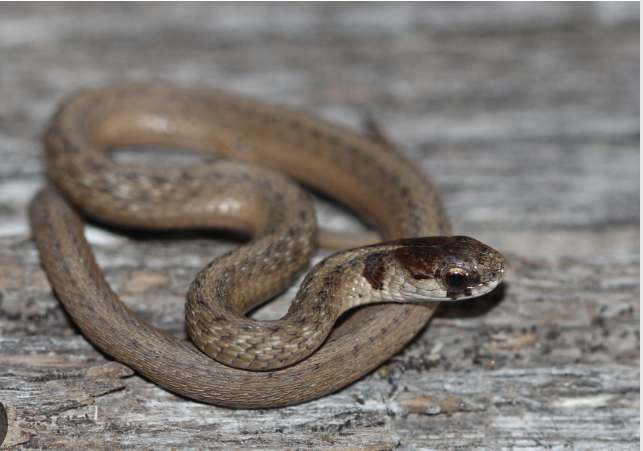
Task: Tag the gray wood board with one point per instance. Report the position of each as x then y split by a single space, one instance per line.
525 114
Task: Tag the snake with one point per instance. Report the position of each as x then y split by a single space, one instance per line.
262 158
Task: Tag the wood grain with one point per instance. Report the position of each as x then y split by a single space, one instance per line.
527 117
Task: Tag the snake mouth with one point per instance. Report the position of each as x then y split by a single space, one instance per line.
486 287
472 292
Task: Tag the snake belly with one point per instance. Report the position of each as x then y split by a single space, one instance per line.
381 185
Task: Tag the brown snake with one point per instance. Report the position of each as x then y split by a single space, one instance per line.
300 355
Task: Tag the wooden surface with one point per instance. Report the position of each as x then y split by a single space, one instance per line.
527 117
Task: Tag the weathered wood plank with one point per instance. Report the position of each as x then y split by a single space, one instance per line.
525 114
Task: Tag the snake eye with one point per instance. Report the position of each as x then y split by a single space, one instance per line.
456 278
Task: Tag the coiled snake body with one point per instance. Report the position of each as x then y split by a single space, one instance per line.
300 358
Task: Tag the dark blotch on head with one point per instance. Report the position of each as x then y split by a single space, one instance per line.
425 257
420 255
374 270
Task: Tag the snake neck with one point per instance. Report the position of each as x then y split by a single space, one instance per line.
339 280
333 286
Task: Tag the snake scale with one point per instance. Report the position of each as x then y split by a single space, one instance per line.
250 363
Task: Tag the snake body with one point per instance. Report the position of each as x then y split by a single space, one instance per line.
301 358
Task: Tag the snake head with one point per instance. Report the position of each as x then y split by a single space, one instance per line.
437 269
